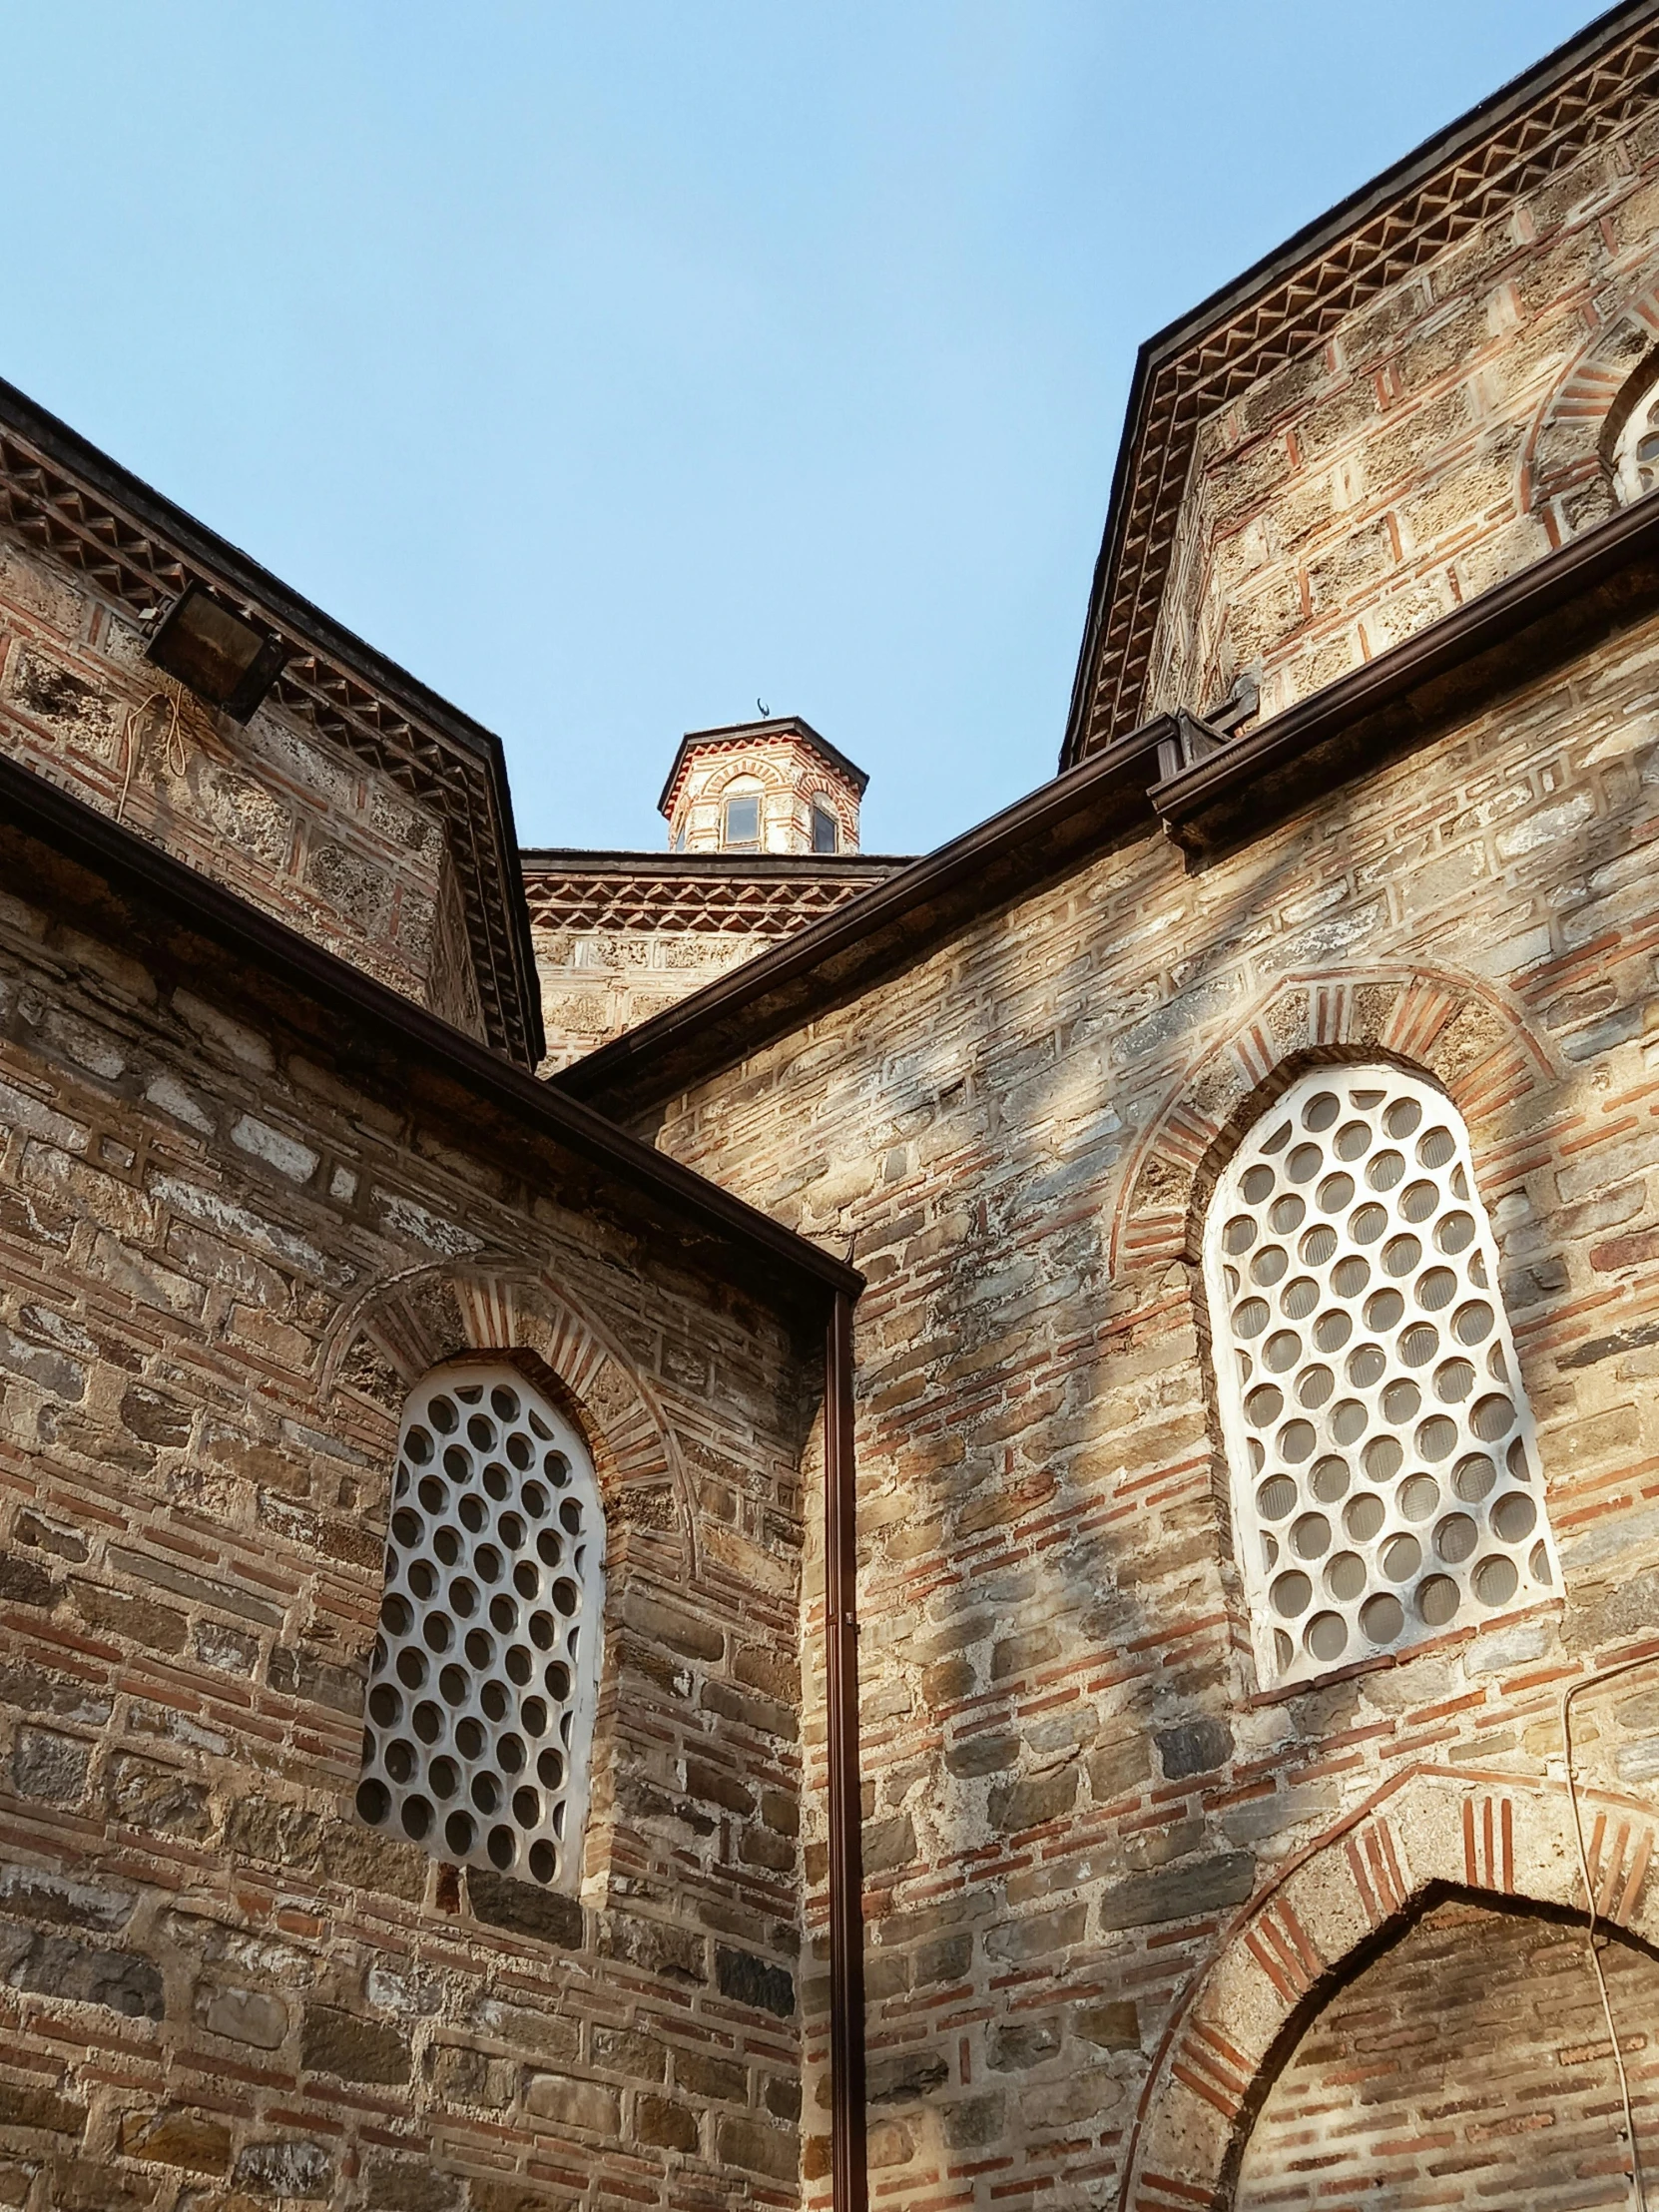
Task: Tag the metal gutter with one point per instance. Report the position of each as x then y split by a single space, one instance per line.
849 2183
1540 618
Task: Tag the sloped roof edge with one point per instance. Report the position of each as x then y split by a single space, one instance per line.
144 551
1543 617
1284 302
778 726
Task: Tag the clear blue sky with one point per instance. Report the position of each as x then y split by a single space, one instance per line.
614 366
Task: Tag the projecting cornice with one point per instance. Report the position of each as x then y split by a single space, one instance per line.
744 894
1289 304
63 495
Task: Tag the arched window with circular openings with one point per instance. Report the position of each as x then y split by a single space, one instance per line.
1384 1474
1635 455
478 1734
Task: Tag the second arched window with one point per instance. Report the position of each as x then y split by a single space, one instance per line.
1384 1476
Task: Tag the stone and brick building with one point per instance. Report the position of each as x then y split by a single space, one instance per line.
426 1573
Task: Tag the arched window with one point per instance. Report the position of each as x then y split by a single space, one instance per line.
1636 449
827 831
1385 1483
479 1726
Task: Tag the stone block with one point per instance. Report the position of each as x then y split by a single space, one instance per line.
57 1966
1033 1802
350 2048
178 2137
1195 1747
31 2105
289 2166
1179 1892
664 2124
525 1909
758 1982
145 1795
705 2076
899 2077
769 2151
253 2016
46 1765
1113 2024
568 2102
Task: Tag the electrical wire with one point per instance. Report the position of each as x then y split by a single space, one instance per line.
174 740
1591 1681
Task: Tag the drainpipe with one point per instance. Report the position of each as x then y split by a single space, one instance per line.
849 2185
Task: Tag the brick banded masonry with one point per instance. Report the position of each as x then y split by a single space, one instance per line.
224 1252
1436 439
1074 1781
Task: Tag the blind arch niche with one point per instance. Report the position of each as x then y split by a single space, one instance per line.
478 1728
1385 1474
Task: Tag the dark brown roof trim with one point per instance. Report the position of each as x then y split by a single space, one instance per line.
132 865
1540 618
1286 304
874 935
118 554
778 726
1548 613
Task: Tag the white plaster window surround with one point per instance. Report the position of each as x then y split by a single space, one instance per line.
1636 454
478 1732
1385 1474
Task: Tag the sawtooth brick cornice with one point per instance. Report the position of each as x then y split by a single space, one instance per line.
134 558
1289 304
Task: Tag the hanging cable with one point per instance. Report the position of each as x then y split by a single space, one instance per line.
175 740
1608 1674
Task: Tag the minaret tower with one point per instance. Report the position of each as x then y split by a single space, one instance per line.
761 787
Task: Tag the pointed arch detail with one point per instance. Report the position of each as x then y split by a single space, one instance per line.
1459 1030
398 1330
1565 469
1296 1943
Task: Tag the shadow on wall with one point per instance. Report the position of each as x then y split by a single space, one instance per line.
1081 1656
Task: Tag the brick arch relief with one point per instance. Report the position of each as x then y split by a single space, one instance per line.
1575 468
1464 1035
1327 1914
382 1346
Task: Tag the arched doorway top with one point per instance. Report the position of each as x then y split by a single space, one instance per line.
1431 1826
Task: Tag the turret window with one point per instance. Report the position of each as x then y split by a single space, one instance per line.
479 1726
743 821
826 830
1384 1476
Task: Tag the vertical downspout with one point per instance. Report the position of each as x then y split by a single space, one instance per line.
848 2179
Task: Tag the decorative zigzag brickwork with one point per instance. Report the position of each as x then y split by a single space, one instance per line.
47 508
1292 313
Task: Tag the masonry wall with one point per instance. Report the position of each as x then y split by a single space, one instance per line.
596 983
1468 2065
1433 442
275 811
224 1254
1073 1780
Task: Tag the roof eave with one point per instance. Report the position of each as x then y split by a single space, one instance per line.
1611 574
